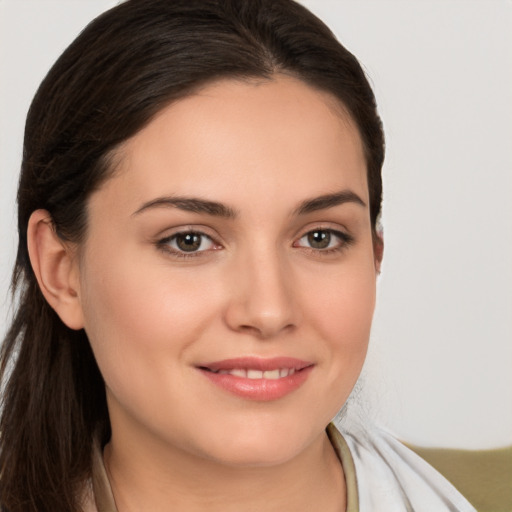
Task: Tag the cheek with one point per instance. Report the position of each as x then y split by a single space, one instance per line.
138 315
341 313
342 306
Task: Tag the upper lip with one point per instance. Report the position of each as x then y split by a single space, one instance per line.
257 363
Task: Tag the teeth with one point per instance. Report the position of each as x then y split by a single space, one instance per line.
254 374
271 374
258 374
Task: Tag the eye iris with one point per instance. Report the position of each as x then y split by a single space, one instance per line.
188 242
319 239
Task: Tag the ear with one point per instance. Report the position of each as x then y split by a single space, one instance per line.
56 269
378 250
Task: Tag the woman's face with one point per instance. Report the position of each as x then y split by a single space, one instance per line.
235 239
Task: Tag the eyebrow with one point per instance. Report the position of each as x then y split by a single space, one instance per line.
216 209
329 201
189 204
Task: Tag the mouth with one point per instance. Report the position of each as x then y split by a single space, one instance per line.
256 378
251 373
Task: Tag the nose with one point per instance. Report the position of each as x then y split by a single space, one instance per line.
262 300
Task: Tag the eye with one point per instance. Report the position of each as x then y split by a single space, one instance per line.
188 242
324 240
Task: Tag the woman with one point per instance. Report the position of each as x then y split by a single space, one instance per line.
196 272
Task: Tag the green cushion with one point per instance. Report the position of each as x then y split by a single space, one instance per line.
484 477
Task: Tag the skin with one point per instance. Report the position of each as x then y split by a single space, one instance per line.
256 287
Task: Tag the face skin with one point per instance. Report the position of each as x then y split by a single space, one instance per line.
257 285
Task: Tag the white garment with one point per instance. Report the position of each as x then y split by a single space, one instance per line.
392 478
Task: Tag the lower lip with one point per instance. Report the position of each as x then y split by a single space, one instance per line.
263 390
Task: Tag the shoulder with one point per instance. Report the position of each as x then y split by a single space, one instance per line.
391 477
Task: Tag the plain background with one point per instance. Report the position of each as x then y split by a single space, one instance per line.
440 366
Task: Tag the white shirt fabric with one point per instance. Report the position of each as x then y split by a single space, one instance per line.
392 478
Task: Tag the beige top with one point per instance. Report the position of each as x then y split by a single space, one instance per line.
99 498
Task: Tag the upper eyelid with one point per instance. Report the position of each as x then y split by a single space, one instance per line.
330 230
200 230
336 232
323 226
173 236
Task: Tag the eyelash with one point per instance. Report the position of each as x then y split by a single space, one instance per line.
344 240
165 244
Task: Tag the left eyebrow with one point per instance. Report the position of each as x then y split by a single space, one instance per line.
329 201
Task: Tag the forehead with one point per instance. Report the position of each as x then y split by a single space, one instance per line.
240 139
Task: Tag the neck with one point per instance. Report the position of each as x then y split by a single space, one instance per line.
143 479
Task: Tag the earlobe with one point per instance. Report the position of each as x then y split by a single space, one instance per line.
55 268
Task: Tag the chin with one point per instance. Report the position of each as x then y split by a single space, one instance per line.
262 445
243 455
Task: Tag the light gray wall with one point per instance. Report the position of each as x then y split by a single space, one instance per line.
440 367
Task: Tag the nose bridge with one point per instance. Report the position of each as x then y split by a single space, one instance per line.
262 300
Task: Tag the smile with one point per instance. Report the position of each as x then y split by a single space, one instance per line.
258 374
258 379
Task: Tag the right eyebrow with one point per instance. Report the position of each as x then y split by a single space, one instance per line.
189 204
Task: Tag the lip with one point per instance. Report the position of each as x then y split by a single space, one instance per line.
259 389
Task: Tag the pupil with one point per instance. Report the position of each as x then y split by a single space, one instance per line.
319 239
189 242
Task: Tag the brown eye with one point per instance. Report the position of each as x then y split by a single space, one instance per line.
188 242
324 240
319 239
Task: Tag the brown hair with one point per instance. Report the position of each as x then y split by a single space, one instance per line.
122 69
